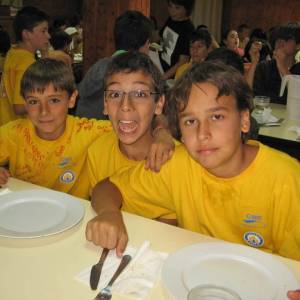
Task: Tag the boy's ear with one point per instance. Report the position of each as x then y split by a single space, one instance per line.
25 34
245 121
160 105
72 99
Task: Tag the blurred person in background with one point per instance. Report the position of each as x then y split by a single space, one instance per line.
31 32
175 36
243 31
200 42
285 41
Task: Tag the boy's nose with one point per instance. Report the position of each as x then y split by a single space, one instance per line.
44 109
203 131
126 104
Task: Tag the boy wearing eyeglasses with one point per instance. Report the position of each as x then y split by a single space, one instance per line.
134 94
49 147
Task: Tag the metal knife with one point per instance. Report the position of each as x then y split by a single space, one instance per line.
96 270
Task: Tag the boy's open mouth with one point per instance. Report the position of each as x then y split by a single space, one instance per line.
127 126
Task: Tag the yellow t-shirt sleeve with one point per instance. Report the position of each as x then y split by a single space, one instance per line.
15 77
144 192
4 145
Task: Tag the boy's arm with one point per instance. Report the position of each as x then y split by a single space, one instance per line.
163 145
107 229
294 295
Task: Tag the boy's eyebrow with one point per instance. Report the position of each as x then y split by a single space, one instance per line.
135 82
210 110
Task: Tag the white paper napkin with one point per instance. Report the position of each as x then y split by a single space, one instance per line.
137 279
295 129
264 116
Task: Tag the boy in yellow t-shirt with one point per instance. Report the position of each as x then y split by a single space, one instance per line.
200 41
134 94
31 32
49 147
217 184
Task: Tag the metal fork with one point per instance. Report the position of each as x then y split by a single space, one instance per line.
105 293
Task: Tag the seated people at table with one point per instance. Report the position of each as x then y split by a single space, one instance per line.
49 147
267 79
134 93
31 32
230 40
200 41
60 41
175 36
256 50
217 183
243 31
132 32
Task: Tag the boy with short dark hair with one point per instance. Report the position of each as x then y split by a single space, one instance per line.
217 183
175 36
285 41
31 31
49 147
132 32
134 94
200 42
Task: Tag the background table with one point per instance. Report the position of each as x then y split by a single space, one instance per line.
44 268
280 137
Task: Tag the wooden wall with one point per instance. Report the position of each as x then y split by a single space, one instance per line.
260 13
159 9
98 23
56 8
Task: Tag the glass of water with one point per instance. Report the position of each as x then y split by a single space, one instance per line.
260 103
212 292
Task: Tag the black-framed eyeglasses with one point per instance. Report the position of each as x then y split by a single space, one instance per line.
134 95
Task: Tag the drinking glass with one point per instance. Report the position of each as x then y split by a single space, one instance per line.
260 103
212 292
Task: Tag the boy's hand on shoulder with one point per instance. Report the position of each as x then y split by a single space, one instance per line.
161 149
4 175
108 231
294 295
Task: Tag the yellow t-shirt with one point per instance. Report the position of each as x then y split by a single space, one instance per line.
58 164
260 207
104 159
182 69
16 62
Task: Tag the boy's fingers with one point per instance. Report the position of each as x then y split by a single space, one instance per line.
294 295
122 243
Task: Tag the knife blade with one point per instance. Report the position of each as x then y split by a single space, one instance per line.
96 270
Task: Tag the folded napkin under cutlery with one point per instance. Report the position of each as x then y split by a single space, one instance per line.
137 279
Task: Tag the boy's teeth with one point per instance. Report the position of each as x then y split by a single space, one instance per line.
127 126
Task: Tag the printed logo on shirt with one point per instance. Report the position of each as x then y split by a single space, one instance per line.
64 162
67 177
254 220
253 239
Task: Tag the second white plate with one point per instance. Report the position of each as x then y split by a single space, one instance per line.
36 213
251 273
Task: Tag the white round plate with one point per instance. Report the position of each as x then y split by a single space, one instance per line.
251 273
36 213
